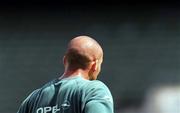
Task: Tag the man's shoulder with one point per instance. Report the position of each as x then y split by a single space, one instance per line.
46 88
90 83
94 85
99 91
97 84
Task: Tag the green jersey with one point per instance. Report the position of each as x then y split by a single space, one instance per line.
69 95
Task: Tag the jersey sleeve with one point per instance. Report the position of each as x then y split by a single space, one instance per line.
99 99
25 106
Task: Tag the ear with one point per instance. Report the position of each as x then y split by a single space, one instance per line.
94 66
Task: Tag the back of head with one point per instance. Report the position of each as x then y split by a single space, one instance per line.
81 51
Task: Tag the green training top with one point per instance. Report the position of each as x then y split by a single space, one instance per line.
69 95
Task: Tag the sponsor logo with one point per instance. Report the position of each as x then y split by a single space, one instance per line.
54 109
48 109
65 105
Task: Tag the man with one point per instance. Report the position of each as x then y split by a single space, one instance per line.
77 90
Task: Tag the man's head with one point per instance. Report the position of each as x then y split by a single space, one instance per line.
84 53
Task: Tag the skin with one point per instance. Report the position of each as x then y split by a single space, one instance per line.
89 47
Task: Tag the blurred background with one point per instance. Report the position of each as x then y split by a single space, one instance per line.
141 43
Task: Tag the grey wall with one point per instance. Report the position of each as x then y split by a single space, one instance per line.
142 49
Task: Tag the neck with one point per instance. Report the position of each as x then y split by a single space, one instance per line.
73 73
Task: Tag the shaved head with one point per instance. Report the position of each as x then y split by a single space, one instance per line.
82 50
